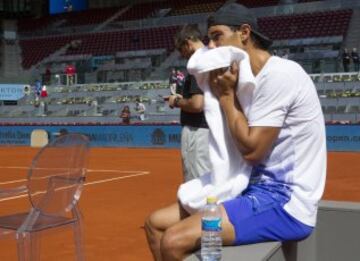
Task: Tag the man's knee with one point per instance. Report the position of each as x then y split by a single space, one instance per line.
150 224
153 222
147 224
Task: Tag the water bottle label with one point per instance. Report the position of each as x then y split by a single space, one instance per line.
211 224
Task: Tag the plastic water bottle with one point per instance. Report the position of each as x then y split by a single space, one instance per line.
211 241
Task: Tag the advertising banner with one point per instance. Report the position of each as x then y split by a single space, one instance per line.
339 137
11 92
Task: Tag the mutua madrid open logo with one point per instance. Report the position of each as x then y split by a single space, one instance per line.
158 137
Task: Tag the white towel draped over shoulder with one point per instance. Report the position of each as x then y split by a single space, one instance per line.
230 173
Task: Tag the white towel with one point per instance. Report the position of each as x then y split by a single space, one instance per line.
230 172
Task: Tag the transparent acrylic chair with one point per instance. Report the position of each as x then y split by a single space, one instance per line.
54 184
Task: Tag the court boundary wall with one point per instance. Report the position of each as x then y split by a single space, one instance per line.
339 137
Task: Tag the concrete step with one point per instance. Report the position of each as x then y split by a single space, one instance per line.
256 252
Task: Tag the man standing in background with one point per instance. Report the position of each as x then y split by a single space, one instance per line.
355 59
140 108
195 132
70 72
346 60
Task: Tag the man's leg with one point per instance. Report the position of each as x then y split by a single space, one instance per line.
195 152
184 237
185 134
72 79
201 163
158 222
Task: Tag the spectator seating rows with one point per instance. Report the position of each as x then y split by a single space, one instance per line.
30 24
196 8
146 10
86 17
336 77
306 1
90 100
257 3
137 11
339 95
340 101
317 24
34 50
112 42
89 17
140 11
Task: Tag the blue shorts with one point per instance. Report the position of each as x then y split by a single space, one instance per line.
258 216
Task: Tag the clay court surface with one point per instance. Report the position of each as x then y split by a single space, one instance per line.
123 186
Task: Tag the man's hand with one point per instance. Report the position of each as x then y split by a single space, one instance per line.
223 81
172 98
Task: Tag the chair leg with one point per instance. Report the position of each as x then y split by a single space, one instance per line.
28 246
22 247
34 246
78 237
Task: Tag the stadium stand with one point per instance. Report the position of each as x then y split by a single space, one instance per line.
141 11
111 42
306 1
340 100
93 102
30 24
132 44
257 3
89 17
35 50
169 8
311 25
316 24
196 8
339 94
103 43
86 17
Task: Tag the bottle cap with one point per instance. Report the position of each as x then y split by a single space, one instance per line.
211 199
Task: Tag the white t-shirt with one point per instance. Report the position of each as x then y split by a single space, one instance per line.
286 97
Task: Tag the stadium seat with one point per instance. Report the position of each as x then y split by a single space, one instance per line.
330 109
354 109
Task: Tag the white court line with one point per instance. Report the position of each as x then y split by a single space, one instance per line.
13 167
140 173
13 181
137 173
89 170
15 197
114 170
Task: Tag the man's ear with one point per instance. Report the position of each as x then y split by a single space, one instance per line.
245 32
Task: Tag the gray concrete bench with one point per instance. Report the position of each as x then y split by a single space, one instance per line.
336 237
